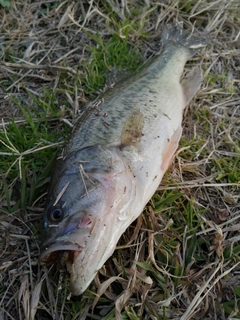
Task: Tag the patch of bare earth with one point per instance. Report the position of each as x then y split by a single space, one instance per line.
40 41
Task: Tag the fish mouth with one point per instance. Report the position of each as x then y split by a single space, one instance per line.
62 254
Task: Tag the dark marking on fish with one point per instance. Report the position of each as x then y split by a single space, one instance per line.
166 116
105 123
153 91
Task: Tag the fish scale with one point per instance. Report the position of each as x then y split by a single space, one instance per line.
115 158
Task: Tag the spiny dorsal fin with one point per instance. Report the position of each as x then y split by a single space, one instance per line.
115 76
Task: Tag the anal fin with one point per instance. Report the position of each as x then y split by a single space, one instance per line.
191 83
171 148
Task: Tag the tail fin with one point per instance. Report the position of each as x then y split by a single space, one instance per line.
177 37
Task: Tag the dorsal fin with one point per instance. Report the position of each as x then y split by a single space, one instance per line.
115 76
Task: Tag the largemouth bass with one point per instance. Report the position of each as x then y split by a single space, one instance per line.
115 159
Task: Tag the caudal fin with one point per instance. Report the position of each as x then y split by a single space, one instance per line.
177 37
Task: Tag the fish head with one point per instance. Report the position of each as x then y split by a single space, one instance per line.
85 218
63 220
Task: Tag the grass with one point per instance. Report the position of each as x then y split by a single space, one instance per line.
28 149
180 259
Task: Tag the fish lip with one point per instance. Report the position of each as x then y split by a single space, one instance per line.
50 247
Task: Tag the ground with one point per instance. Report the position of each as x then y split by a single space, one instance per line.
180 259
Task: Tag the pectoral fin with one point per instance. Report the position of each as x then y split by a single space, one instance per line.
171 148
132 129
191 83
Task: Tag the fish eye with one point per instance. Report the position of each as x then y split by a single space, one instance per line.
55 214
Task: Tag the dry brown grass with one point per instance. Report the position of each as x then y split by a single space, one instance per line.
43 44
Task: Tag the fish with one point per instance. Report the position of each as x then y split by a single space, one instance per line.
114 160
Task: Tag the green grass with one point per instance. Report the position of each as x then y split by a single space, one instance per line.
5 3
233 306
115 53
228 169
28 151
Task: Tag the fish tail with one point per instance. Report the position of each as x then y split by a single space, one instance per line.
175 36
